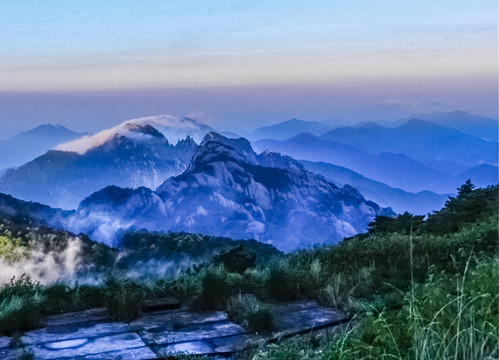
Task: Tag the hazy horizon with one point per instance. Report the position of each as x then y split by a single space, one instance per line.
92 65
249 109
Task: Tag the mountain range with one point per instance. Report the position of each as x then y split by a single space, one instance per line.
422 203
479 126
395 170
287 129
407 167
416 156
131 155
27 145
420 140
229 190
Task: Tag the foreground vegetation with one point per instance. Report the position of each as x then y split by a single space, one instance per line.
415 288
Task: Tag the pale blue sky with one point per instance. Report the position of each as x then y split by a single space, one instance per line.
170 43
139 45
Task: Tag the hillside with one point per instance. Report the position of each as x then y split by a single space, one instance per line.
28 245
434 278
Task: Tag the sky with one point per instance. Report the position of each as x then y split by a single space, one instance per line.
241 64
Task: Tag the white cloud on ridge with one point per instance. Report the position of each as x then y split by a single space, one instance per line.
172 127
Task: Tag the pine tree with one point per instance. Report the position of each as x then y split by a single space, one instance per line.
465 189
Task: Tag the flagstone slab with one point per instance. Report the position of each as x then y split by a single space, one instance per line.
10 354
190 347
4 342
196 332
89 335
92 346
74 332
177 319
294 319
142 353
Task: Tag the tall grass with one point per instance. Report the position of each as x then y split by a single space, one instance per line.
20 305
124 299
448 317
251 313
464 325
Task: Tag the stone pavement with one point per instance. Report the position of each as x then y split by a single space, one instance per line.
164 331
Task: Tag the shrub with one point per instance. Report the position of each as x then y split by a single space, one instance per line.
252 314
91 296
186 286
261 321
16 341
216 289
124 299
60 298
236 260
27 354
20 305
280 285
295 349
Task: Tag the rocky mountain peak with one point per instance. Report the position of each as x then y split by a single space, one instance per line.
215 144
275 160
144 129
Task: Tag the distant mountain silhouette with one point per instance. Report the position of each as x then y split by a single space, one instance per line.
129 156
394 170
399 200
420 140
27 145
287 129
481 175
479 126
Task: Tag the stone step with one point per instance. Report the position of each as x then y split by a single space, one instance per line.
166 303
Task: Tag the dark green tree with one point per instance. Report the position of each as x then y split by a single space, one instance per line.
403 223
467 207
465 189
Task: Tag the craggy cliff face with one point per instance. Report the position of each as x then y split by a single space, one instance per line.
228 190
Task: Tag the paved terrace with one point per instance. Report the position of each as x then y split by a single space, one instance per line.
165 329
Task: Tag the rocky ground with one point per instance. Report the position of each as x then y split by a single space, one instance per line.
166 328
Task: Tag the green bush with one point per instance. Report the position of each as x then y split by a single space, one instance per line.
60 298
124 299
20 305
261 321
91 296
280 284
252 314
27 354
236 260
449 316
216 289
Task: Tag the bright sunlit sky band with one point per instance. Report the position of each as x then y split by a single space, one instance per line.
51 46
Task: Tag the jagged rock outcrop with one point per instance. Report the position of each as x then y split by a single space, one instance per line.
228 190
